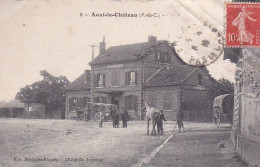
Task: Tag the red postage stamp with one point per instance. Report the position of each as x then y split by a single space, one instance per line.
243 24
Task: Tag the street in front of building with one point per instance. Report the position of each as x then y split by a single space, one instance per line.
26 143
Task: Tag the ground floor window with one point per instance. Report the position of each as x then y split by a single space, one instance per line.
100 100
131 102
79 102
167 101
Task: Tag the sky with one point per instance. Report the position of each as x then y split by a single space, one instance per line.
51 35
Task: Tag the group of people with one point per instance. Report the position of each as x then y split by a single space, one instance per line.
179 119
115 115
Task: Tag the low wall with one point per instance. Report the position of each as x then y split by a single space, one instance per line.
249 150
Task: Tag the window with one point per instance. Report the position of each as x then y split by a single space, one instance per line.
162 57
158 57
167 101
200 82
100 100
85 101
115 78
131 102
100 80
131 78
79 102
167 58
74 101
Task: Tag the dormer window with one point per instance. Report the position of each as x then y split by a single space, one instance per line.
200 81
158 57
167 58
162 57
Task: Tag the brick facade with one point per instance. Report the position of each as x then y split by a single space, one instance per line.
197 107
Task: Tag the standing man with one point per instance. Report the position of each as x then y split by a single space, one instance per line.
160 122
179 118
85 110
124 117
117 117
89 113
112 115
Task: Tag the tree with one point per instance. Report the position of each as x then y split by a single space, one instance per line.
222 86
50 92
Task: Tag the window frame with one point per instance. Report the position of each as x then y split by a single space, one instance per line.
131 78
200 80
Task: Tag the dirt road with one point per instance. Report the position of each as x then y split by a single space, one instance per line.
71 143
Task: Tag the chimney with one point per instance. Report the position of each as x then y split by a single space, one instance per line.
152 39
102 46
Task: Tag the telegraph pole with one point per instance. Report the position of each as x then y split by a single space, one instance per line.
93 46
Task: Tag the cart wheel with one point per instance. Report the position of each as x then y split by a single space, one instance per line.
216 117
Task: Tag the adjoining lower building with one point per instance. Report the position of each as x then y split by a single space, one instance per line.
78 93
170 86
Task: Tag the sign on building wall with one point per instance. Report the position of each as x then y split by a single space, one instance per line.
115 66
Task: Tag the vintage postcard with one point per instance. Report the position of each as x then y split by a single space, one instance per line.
129 83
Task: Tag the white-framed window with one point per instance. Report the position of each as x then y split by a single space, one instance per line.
131 78
161 57
100 80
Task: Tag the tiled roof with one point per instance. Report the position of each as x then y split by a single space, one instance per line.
124 52
81 83
171 75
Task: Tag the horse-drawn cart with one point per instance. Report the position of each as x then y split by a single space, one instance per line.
223 109
97 107
90 112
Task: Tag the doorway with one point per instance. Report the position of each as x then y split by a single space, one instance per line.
115 101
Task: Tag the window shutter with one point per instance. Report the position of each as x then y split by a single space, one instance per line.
136 77
127 78
96 80
130 102
162 58
136 103
104 80
126 103
117 78
156 56
113 78
167 58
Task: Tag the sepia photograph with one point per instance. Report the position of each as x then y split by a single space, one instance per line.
129 83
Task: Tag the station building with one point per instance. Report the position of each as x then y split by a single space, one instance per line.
128 75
